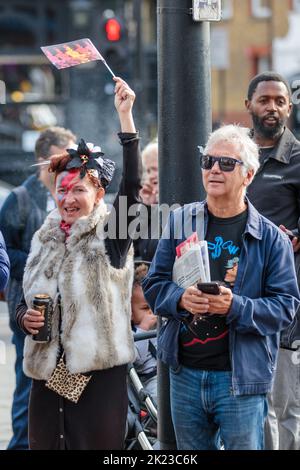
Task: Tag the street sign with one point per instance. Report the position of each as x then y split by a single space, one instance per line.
206 10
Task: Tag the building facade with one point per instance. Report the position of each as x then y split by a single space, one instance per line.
249 29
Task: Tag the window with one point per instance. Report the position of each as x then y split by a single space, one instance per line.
35 93
260 59
261 8
296 6
227 9
263 64
25 26
34 81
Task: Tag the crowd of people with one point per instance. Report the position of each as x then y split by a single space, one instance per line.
233 381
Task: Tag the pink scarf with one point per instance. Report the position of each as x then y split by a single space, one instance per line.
65 228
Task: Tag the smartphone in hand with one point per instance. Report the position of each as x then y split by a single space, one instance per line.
209 287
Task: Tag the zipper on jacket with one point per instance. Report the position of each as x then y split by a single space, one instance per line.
231 336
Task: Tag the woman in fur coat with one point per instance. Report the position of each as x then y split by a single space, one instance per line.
78 259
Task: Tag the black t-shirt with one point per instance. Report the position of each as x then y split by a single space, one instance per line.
205 345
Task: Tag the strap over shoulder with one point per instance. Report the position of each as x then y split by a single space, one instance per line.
24 204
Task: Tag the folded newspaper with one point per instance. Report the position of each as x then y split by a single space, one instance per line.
191 263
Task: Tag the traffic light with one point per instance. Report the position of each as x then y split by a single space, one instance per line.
114 43
113 30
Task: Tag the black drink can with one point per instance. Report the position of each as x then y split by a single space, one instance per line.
43 303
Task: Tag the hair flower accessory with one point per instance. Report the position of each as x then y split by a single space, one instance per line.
88 158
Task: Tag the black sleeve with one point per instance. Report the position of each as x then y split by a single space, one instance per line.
117 247
20 312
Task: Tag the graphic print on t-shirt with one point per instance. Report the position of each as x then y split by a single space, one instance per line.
204 341
219 245
231 271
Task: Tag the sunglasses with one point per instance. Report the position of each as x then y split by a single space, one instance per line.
225 163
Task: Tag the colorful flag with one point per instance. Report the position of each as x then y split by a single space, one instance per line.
72 53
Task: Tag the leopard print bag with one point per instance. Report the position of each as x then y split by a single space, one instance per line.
67 385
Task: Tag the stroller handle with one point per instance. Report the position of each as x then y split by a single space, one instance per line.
142 393
145 335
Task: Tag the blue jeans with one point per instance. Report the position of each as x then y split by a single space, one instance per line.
205 413
19 441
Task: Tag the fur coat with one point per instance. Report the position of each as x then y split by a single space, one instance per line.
95 297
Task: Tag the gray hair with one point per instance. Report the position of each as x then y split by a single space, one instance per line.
240 138
150 147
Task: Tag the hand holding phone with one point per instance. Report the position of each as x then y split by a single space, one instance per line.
212 288
221 299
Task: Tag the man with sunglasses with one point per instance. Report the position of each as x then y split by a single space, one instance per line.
275 192
222 368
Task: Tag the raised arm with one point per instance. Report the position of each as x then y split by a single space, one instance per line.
131 177
124 99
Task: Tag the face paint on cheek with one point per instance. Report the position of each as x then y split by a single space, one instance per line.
66 181
60 197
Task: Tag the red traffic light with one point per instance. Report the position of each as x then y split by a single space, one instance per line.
113 30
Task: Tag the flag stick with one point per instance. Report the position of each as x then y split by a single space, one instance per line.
45 162
108 68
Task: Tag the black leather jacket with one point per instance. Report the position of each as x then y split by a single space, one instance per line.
275 192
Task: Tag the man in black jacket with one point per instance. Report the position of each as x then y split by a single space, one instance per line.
275 192
22 214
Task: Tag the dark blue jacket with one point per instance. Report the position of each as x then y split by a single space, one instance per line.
4 264
265 298
18 238
18 235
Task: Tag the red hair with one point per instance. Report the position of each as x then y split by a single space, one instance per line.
59 162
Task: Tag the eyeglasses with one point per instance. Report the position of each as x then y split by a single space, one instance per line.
225 163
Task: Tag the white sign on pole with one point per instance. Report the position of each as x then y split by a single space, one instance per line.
207 10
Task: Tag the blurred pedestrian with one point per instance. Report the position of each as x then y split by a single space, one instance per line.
222 349
145 245
89 277
21 215
4 264
149 191
275 192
